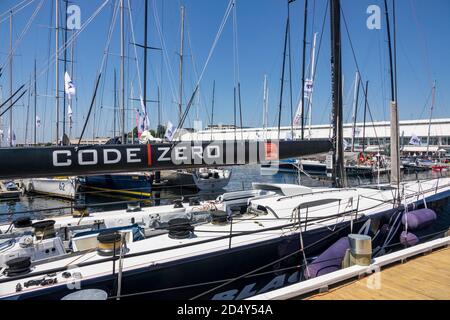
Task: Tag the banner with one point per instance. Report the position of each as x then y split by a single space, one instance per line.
415 141
170 131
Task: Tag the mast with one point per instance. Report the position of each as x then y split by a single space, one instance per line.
305 24
395 154
57 68
365 112
180 101
283 71
35 103
65 70
336 71
355 108
212 107
115 103
122 72
431 115
10 81
310 100
265 103
145 55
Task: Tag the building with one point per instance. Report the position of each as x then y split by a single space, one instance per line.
374 134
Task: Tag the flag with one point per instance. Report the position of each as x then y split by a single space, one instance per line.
170 131
357 131
309 84
415 141
38 122
69 111
345 144
69 86
145 120
140 122
298 114
13 136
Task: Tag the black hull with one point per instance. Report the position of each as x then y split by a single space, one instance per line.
189 277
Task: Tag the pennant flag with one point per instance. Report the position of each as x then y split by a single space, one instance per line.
12 142
415 141
69 86
69 111
345 144
298 114
170 131
308 88
357 131
145 120
38 122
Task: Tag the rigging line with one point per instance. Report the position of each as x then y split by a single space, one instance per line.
14 11
24 31
423 42
102 65
164 52
216 40
136 59
194 65
103 85
72 39
359 70
269 264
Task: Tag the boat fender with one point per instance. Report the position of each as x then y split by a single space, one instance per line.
419 219
329 261
408 239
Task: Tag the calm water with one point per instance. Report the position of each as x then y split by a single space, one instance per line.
242 178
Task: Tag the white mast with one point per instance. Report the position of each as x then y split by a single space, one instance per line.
355 107
431 116
122 72
310 95
57 68
10 81
265 103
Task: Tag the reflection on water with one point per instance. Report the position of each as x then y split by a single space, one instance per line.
242 178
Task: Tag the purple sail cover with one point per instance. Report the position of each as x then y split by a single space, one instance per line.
330 260
419 219
408 239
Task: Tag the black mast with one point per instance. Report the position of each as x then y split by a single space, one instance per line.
395 135
145 55
365 113
336 81
302 97
283 68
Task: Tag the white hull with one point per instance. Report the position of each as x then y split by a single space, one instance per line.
213 183
57 187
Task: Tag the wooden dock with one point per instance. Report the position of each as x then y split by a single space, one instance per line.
425 277
421 272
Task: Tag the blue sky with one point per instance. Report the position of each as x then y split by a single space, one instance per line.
423 56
